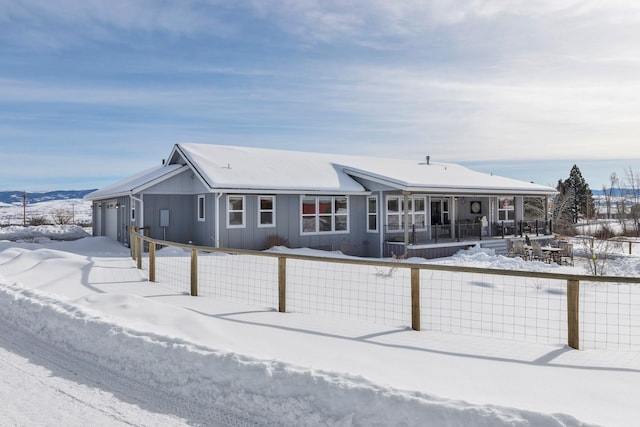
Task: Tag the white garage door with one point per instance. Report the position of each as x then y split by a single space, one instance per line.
111 220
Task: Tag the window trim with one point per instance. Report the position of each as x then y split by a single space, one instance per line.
201 208
317 214
230 211
374 214
412 213
511 210
272 210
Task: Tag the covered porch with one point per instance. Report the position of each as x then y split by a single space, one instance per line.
427 225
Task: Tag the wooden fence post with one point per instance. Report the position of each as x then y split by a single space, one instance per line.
152 261
282 284
194 272
132 247
415 299
138 239
573 306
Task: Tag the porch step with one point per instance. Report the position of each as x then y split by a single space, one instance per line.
498 245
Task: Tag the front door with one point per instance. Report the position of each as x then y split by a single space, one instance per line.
440 217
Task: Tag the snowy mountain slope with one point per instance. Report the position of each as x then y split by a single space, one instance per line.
16 197
51 206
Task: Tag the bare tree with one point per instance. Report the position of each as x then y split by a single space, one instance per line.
609 193
534 208
597 253
562 203
632 193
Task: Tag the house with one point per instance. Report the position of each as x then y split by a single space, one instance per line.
240 197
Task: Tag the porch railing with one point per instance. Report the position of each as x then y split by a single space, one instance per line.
472 230
521 228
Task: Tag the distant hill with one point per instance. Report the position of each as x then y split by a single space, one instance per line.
15 197
615 192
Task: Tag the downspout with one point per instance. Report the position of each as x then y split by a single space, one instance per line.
380 224
216 217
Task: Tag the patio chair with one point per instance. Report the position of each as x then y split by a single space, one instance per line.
510 250
566 254
539 254
519 250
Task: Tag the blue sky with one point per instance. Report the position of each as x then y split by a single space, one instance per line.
92 91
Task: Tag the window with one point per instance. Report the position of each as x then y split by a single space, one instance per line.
372 214
439 211
235 211
201 208
324 214
417 210
266 211
506 209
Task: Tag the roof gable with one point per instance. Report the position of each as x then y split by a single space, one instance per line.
136 183
244 168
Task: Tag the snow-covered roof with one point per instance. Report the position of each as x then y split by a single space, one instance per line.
136 183
228 168
433 177
244 168
247 168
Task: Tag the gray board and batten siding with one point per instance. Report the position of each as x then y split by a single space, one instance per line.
184 226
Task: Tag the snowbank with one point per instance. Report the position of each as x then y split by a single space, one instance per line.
42 233
276 393
86 298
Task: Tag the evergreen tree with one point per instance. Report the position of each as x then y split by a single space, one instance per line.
576 196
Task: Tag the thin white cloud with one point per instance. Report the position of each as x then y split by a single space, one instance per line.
458 79
67 23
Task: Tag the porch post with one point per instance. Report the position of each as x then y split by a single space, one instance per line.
406 222
546 214
453 214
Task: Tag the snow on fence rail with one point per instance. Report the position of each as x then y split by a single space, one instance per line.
582 311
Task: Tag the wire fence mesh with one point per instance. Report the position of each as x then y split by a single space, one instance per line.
349 291
610 316
512 305
243 279
509 307
172 267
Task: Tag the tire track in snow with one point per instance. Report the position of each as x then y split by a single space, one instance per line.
71 389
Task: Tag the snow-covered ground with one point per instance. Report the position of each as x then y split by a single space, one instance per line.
73 211
86 339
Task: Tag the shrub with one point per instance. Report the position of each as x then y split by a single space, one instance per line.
604 232
275 240
564 227
38 220
62 217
